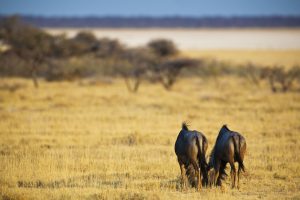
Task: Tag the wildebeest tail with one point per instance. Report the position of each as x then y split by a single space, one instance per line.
202 146
204 165
237 148
200 149
185 126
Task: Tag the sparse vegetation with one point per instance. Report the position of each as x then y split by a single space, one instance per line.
278 77
34 53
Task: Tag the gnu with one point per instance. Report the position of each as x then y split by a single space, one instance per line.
230 147
190 148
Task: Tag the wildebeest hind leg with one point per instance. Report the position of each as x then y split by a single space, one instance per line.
198 174
183 174
233 174
221 173
216 172
204 174
238 177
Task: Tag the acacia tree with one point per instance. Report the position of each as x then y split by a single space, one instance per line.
169 71
27 42
38 48
136 63
63 49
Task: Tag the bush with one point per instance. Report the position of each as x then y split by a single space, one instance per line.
279 78
169 71
163 47
105 48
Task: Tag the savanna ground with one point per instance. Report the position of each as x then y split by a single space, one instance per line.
286 58
95 140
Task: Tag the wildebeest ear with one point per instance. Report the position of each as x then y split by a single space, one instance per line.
225 127
185 126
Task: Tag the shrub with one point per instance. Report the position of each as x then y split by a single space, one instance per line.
106 47
279 78
169 71
163 47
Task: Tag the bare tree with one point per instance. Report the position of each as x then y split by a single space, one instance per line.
278 76
253 73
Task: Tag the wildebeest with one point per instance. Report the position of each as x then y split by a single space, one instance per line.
190 148
230 147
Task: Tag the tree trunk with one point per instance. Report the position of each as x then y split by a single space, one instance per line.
34 75
135 86
35 81
272 84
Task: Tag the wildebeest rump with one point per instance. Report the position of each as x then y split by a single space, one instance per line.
230 147
190 148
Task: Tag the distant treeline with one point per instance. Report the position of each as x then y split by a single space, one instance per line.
164 22
28 51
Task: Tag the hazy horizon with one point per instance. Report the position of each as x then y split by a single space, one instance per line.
155 8
144 16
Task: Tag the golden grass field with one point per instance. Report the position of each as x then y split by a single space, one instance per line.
287 58
95 140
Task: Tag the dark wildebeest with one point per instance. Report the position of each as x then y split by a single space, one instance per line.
190 148
230 147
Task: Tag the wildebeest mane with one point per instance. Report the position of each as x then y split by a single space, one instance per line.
223 130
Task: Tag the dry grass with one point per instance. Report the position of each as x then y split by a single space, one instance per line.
287 58
79 141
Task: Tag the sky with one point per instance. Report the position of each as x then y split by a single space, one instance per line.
154 8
